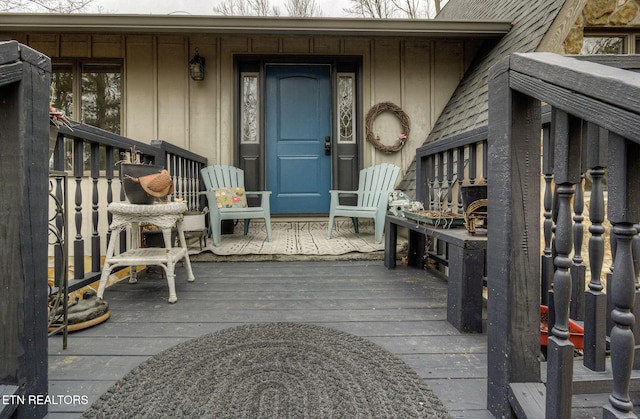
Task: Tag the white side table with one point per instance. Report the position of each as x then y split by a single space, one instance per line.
166 216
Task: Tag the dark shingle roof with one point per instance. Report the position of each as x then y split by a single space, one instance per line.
468 107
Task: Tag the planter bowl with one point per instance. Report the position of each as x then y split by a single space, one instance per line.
133 190
193 222
473 193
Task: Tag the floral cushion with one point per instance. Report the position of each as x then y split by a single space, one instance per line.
231 197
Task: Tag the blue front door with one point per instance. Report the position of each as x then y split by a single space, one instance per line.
297 124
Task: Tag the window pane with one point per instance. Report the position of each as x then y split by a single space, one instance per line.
62 89
249 108
101 93
346 109
602 45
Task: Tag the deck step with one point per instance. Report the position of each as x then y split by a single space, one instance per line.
527 400
7 409
586 381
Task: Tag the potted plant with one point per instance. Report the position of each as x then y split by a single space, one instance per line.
57 119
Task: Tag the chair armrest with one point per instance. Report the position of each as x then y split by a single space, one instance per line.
264 198
258 193
335 197
338 192
335 194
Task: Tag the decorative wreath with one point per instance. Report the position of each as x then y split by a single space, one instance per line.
404 121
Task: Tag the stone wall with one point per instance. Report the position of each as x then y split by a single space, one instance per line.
602 14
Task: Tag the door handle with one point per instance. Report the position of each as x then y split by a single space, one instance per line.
327 145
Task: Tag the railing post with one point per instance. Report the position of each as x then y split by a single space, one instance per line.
624 212
24 88
513 268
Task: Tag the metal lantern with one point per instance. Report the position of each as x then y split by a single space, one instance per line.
196 67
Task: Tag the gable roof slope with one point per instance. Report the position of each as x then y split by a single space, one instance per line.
468 107
530 19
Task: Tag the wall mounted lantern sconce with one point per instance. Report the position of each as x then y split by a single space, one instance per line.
196 67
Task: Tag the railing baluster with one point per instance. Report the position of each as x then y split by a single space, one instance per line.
485 159
460 176
547 257
609 276
78 243
624 212
193 185
450 180
635 252
123 237
440 180
95 236
431 180
182 176
578 269
560 348
595 326
473 163
109 169
61 223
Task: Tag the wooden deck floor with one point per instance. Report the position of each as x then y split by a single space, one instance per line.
402 310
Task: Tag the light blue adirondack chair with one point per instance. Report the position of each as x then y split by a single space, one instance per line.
219 176
374 185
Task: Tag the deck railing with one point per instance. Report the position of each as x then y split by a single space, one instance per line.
443 167
90 156
82 169
594 138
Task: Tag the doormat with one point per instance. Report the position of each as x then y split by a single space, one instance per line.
271 370
296 238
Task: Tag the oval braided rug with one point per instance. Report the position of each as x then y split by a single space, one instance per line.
271 370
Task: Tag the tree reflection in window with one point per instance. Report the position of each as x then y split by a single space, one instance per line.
593 45
89 93
62 89
101 93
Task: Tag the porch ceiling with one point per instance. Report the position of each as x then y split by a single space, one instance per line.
30 22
